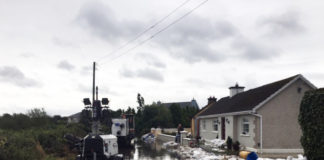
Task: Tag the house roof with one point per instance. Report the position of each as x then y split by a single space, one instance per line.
203 109
247 100
191 103
76 115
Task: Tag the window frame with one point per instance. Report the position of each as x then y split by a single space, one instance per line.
215 123
204 124
245 126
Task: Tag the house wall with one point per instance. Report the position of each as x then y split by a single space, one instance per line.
73 120
208 132
229 126
280 119
246 140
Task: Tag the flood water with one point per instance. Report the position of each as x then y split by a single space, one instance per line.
143 151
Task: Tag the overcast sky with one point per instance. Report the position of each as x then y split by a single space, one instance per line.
47 48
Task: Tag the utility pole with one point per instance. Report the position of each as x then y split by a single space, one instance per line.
95 122
97 93
93 82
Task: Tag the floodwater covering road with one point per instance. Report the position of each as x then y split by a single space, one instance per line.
143 151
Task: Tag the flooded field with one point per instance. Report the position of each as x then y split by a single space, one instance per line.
147 152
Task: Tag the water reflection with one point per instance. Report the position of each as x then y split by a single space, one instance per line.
143 151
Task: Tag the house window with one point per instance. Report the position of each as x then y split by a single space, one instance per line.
204 124
245 126
215 125
106 147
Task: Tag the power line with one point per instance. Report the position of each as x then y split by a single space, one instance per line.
158 32
145 31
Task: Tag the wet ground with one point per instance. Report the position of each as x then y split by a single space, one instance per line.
143 151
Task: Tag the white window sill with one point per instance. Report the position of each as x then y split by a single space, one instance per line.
214 131
245 135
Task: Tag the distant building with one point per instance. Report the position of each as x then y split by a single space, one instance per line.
191 103
74 118
263 119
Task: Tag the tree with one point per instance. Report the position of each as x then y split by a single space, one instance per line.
140 101
129 110
177 116
39 117
85 119
152 116
37 113
311 121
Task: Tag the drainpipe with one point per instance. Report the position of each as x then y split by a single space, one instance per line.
260 116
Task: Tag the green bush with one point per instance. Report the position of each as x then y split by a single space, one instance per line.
229 143
36 136
236 146
20 147
311 120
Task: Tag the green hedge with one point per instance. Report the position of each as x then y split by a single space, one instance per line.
311 120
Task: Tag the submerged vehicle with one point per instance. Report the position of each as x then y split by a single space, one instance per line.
124 129
100 147
96 145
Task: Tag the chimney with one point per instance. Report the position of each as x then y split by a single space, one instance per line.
236 89
211 100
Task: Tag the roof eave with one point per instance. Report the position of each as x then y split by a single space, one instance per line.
226 114
281 89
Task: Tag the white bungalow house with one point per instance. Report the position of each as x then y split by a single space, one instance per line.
263 119
74 118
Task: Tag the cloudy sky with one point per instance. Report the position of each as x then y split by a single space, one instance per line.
47 48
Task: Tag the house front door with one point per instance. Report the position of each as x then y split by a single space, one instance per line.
223 127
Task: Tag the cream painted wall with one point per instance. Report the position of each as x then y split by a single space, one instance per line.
280 119
208 132
248 139
229 126
280 122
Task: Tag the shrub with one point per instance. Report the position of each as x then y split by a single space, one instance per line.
229 143
20 147
236 146
311 122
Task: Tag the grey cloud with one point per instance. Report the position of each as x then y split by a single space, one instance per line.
192 42
287 23
86 70
315 75
127 73
150 74
198 82
197 52
101 21
102 90
14 76
152 60
146 73
84 88
27 55
106 90
63 43
65 65
250 50
203 82
188 40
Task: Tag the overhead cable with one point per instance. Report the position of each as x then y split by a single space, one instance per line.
143 32
158 32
